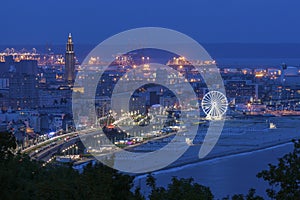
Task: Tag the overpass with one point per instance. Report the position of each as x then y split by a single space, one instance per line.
46 149
46 154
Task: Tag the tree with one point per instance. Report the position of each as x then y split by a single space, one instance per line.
23 178
284 178
250 196
183 189
8 145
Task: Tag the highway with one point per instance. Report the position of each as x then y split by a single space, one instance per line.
40 150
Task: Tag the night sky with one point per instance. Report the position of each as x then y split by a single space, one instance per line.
92 21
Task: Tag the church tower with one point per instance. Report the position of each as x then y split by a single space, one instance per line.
70 61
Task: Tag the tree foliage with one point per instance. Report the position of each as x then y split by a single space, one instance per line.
23 178
250 196
184 189
8 145
284 178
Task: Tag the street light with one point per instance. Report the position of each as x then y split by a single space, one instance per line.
76 150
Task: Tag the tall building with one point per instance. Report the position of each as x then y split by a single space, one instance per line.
18 83
70 61
23 93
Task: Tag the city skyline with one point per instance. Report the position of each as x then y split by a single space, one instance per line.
150 99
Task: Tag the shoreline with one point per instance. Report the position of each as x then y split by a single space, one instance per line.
238 137
247 141
183 165
222 169
190 163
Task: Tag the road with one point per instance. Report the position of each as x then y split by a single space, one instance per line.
44 148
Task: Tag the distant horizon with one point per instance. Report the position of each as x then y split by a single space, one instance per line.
216 50
210 43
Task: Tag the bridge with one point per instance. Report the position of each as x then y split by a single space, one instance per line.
46 149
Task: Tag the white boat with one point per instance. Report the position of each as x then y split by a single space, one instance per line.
272 126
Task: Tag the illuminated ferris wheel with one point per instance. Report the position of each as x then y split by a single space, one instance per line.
214 104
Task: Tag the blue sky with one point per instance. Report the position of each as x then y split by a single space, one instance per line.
207 21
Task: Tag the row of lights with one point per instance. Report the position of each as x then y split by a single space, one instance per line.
49 161
70 147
